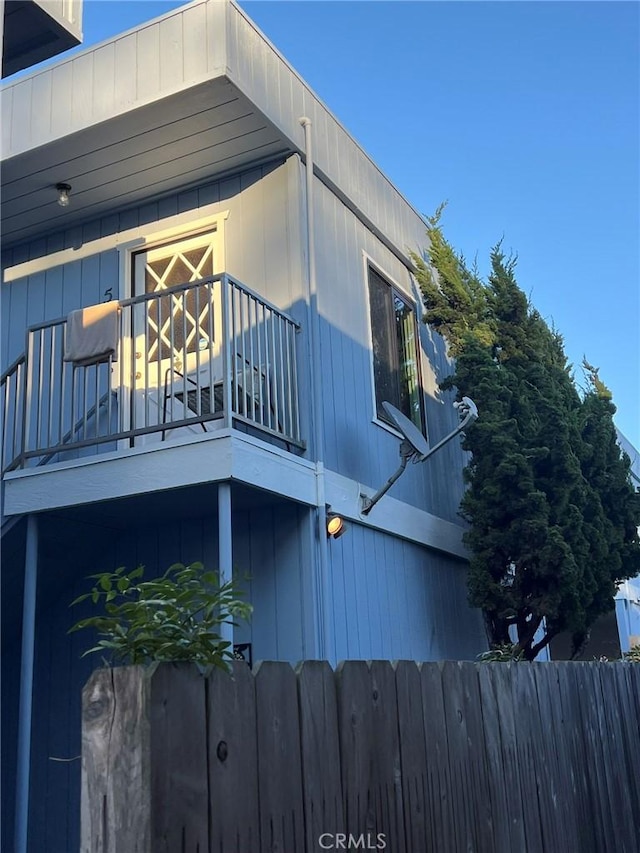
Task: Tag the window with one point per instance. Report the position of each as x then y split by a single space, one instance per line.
395 350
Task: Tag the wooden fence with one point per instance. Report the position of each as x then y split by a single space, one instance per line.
407 758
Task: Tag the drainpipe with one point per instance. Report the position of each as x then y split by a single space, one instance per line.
26 685
225 551
325 647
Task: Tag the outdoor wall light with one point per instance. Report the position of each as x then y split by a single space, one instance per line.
63 194
335 525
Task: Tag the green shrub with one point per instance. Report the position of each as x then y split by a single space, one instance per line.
633 655
501 653
176 617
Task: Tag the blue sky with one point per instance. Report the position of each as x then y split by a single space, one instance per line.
525 116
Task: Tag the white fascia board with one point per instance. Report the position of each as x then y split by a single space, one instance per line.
394 516
227 455
160 467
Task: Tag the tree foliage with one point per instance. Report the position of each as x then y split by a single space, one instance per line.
176 617
552 513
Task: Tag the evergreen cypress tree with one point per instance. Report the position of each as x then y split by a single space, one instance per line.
552 514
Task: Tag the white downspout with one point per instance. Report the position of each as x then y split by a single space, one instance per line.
325 650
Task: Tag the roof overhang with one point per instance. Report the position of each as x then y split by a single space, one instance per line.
190 96
162 147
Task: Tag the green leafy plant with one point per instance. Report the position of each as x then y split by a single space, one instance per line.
175 617
633 655
502 653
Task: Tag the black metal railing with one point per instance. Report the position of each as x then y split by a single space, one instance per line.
188 356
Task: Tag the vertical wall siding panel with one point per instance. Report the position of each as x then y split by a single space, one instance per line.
342 549
10 667
103 95
21 113
148 61
252 210
41 114
61 93
82 92
171 52
194 31
401 601
125 91
264 590
290 562
6 125
338 616
242 571
208 194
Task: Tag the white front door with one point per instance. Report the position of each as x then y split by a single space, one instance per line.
177 335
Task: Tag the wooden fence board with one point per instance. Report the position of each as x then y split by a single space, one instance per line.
499 735
386 768
557 744
178 744
441 825
233 759
279 759
477 757
320 747
629 719
370 752
115 748
586 681
462 737
413 756
570 691
624 832
525 706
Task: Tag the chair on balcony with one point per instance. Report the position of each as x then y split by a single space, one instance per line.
204 392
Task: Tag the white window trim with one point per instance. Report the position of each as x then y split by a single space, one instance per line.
167 230
368 261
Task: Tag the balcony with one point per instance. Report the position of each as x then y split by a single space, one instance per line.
35 30
190 359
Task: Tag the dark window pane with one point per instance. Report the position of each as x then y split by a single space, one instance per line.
395 350
409 390
385 356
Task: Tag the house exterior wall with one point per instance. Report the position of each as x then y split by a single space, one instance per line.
355 446
377 592
393 599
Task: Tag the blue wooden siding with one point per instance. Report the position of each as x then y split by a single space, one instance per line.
392 599
268 551
354 446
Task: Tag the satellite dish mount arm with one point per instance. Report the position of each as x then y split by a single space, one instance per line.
407 450
466 409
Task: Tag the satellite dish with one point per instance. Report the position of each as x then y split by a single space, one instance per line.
409 430
414 444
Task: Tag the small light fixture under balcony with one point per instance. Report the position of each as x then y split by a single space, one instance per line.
335 525
63 194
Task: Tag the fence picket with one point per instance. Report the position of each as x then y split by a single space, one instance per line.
320 752
178 744
279 759
233 758
417 819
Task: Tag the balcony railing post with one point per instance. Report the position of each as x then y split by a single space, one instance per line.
226 286
26 397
